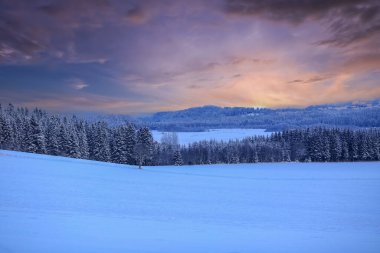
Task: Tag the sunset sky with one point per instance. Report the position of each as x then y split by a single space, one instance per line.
124 56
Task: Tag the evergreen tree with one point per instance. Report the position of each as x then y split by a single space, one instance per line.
36 137
63 141
101 143
52 146
177 158
123 144
5 132
364 148
354 147
345 151
73 145
117 144
335 147
130 142
144 145
82 140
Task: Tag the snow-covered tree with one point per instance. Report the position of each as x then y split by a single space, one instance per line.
101 143
144 145
5 132
63 141
177 158
36 138
52 146
124 140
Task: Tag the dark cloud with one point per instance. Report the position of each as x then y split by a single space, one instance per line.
15 44
78 13
353 24
348 20
53 9
194 86
40 29
287 10
137 15
310 80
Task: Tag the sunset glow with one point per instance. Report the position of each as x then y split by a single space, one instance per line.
143 56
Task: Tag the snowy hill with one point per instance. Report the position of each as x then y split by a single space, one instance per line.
360 114
55 204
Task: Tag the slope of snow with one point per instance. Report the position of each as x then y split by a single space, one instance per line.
185 138
52 204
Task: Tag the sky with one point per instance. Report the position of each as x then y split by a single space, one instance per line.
124 56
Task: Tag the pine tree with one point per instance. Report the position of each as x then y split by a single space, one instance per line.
130 142
326 156
62 139
117 145
177 158
123 144
73 145
101 143
36 137
354 147
5 132
52 146
364 152
144 145
82 140
335 147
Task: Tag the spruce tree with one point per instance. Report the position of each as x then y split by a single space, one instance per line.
144 145
5 132
63 141
52 146
82 140
177 158
101 143
117 145
36 137
364 147
73 145
130 142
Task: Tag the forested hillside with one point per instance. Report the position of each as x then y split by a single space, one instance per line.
39 132
352 115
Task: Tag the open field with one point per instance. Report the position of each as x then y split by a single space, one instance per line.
54 204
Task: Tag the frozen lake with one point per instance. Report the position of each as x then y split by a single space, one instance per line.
185 138
53 204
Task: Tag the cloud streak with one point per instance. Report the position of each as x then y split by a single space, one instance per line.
77 84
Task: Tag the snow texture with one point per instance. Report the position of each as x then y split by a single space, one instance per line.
185 138
53 204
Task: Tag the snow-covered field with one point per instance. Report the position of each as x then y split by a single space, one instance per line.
185 138
53 204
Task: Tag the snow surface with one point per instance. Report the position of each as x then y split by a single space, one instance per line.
52 204
185 138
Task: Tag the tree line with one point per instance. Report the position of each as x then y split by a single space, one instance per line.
299 145
37 131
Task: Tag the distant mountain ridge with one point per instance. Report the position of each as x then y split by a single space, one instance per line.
213 108
351 114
